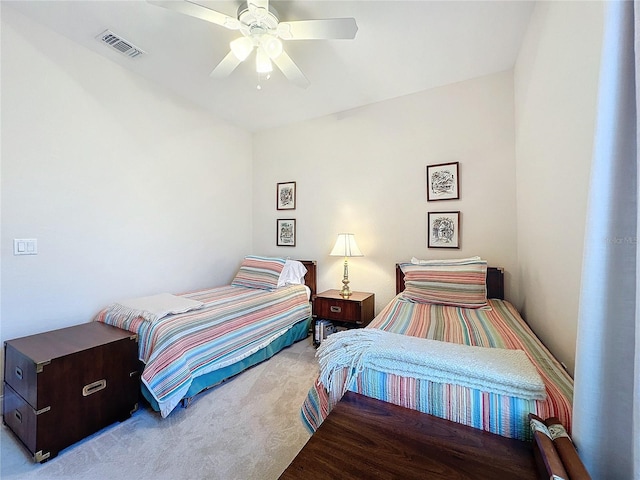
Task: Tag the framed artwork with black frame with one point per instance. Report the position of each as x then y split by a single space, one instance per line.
286 196
443 182
443 229
286 232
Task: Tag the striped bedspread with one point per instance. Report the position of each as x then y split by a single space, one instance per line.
234 323
498 327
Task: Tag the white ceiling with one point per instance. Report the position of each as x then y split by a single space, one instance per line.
401 47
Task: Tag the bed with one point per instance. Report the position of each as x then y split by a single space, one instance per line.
190 342
457 302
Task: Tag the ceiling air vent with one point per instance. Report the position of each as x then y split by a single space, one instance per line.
120 44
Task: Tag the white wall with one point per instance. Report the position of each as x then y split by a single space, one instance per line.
128 189
556 79
364 171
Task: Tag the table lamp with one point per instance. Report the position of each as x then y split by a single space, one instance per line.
346 247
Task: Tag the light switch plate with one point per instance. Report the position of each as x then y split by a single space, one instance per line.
25 246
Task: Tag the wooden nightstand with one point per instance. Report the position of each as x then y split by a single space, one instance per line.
355 311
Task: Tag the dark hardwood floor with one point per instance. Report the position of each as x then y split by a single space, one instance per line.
364 438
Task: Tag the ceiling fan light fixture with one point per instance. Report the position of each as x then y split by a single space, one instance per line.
241 47
263 62
261 28
272 45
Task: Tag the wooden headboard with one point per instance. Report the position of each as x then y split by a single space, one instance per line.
310 278
495 281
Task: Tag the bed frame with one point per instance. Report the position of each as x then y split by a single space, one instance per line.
495 281
311 277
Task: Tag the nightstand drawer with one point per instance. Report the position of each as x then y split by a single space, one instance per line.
357 309
334 309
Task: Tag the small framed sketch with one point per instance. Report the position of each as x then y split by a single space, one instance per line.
443 230
286 196
443 182
286 232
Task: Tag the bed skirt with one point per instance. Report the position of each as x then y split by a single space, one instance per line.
500 414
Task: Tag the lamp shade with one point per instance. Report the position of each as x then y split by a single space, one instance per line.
272 45
241 47
346 246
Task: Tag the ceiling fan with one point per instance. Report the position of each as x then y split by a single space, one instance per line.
263 31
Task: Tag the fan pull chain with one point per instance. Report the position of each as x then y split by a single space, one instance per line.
260 78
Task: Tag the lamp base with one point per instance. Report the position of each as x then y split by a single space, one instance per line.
346 291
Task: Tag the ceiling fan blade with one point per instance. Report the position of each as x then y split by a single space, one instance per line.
329 28
259 4
291 70
193 9
227 65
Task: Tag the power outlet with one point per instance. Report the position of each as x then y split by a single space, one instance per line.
25 246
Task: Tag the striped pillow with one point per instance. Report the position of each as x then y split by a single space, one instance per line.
456 284
259 272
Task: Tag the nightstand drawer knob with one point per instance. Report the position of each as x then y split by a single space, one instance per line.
18 416
93 387
335 309
19 373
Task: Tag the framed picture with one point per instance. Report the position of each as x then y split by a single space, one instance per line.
286 232
286 196
443 182
443 230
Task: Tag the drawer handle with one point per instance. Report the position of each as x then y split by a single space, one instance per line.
93 387
18 416
19 373
335 309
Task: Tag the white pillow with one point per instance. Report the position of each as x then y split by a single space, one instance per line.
454 261
292 273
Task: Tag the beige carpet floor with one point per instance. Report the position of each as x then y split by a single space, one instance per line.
247 428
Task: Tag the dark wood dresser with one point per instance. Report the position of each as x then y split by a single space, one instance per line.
64 385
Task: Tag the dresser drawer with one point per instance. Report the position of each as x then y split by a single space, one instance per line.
20 372
30 426
29 379
19 417
74 359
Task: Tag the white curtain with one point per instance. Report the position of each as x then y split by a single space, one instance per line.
606 426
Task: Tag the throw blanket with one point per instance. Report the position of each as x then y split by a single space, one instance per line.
154 307
495 370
